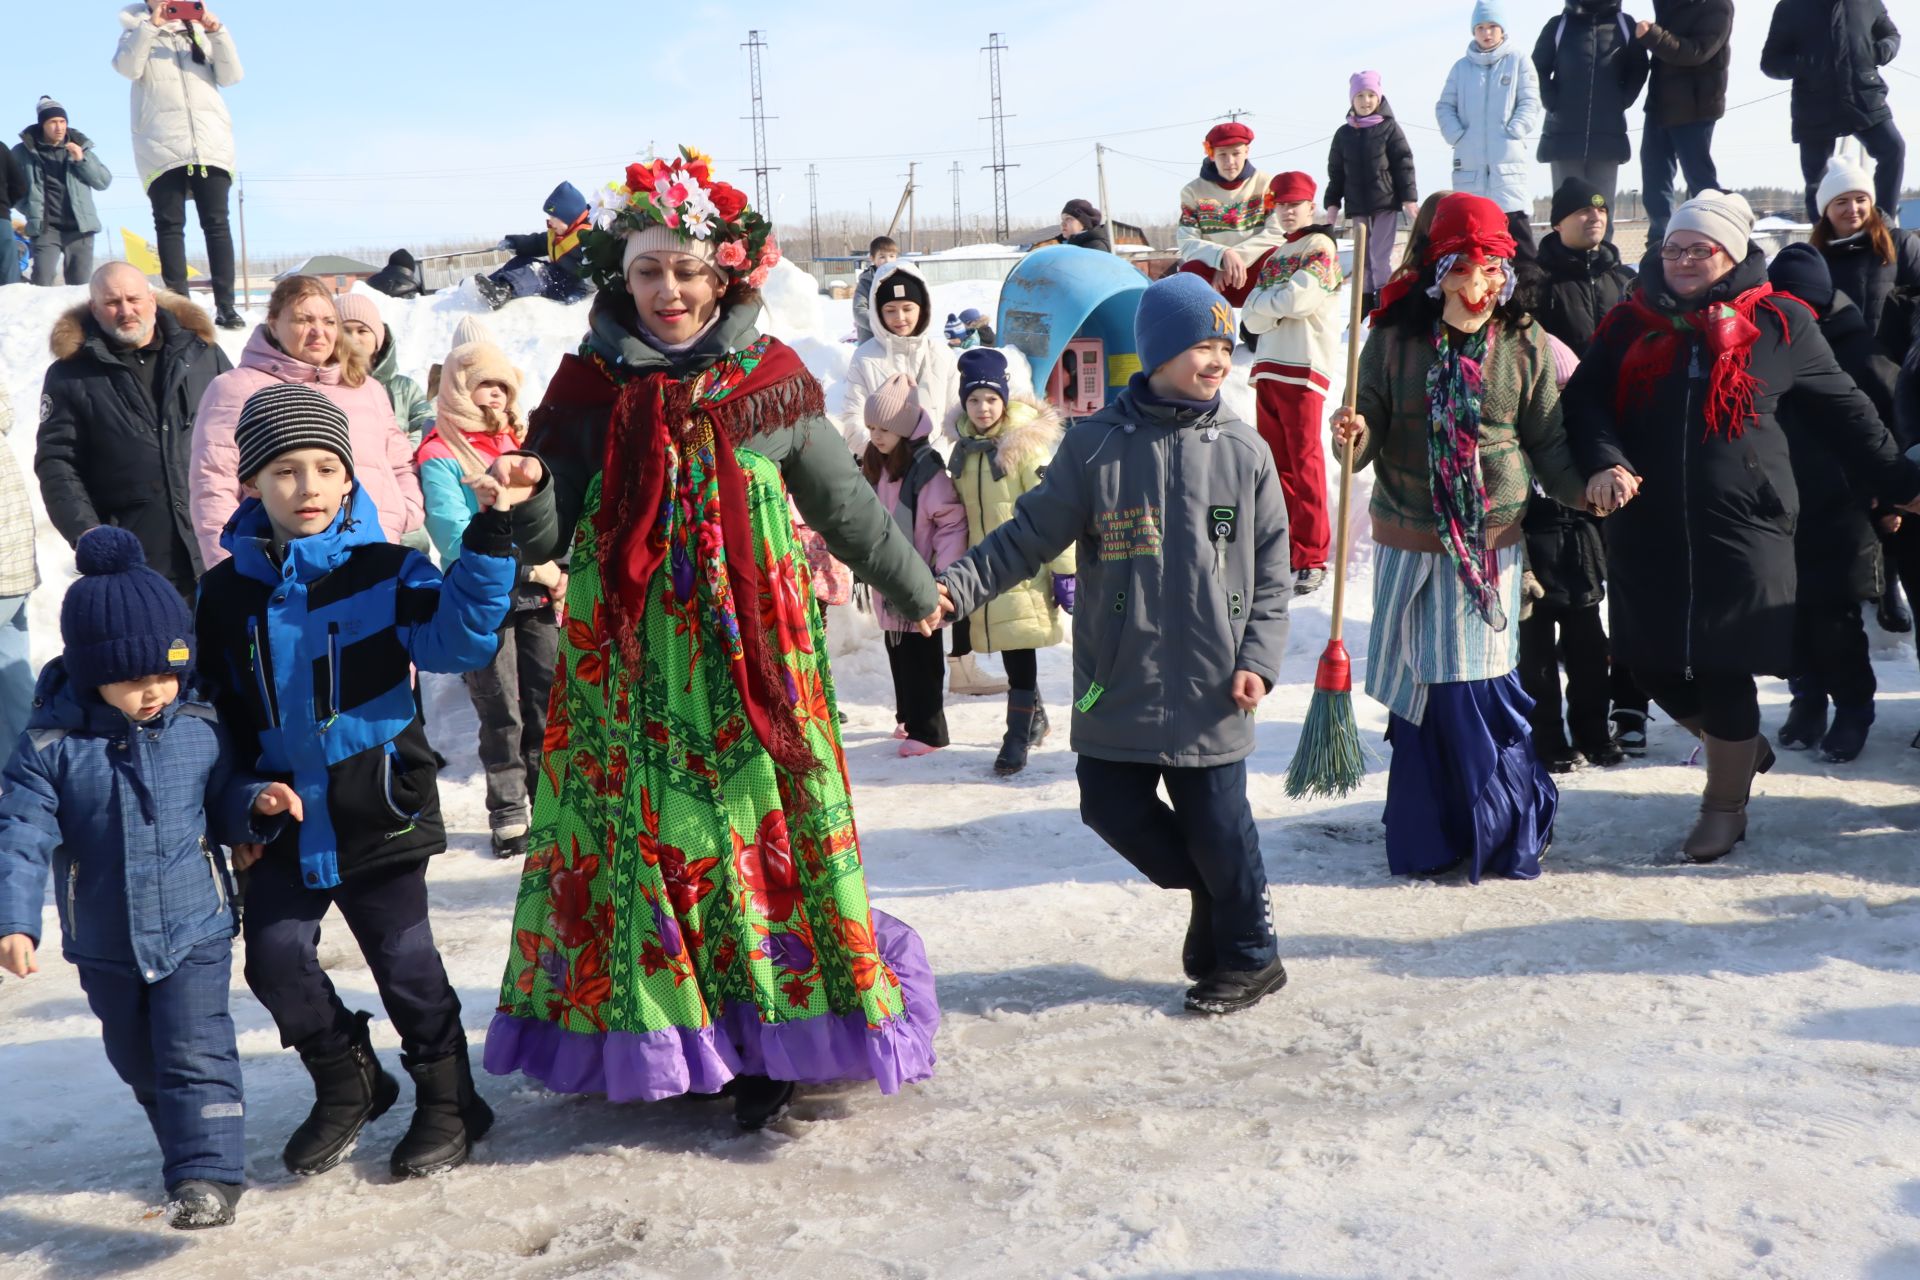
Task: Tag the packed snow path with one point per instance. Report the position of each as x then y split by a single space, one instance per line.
1628 1068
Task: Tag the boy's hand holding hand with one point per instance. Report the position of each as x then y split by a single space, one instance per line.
941 612
278 798
16 955
1248 690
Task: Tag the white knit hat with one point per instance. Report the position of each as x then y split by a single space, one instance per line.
1724 217
659 239
1843 175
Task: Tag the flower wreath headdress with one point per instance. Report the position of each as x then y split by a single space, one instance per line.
712 218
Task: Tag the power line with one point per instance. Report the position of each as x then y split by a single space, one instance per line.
999 166
761 199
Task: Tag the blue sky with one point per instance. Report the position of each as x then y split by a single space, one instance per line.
371 125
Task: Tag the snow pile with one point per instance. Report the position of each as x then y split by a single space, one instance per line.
1626 1068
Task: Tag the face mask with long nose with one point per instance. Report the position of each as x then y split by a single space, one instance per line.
1470 291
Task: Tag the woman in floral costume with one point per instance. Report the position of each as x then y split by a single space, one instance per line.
694 913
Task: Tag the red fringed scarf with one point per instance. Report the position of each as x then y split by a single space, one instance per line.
1729 332
764 388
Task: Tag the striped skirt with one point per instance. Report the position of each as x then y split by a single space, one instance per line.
1426 632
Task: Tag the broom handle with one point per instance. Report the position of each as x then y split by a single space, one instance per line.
1350 398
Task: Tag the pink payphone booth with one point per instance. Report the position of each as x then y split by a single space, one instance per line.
1078 384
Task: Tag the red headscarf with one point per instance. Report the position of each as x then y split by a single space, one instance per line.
1470 226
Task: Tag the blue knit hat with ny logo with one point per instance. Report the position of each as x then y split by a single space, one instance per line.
121 620
1178 311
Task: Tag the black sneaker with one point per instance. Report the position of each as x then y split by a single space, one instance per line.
1892 613
1308 581
198 1204
1604 754
1806 723
759 1101
1630 732
1555 754
1231 990
514 846
230 319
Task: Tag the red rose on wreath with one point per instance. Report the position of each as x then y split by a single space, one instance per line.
727 200
639 177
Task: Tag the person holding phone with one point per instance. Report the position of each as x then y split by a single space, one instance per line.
179 57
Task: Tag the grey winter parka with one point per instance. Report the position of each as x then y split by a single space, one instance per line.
81 178
1184 576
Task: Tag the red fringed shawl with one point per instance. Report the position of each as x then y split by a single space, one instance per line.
747 393
1729 332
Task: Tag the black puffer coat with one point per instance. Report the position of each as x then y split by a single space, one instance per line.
1859 273
1371 170
1565 554
1581 288
1835 546
108 453
1092 238
1832 50
1700 566
1691 44
1591 70
400 278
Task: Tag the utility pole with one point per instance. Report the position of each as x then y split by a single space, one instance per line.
1106 209
813 207
956 203
1235 114
762 201
913 208
993 48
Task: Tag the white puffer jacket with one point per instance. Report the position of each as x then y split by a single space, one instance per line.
179 117
922 355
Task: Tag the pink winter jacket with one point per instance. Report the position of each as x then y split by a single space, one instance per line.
939 523
382 455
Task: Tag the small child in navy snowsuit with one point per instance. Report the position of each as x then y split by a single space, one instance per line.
1184 584
310 634
122 775
545 264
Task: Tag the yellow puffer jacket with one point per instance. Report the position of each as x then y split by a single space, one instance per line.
1024 617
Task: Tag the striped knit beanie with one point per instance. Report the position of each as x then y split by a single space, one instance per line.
288 416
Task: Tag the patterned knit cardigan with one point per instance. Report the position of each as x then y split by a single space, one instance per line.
1521 435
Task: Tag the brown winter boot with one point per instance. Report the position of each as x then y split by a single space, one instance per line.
1731 767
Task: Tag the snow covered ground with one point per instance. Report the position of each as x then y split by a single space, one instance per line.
1628 1068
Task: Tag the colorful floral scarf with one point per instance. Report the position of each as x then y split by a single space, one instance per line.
1460 504
651 514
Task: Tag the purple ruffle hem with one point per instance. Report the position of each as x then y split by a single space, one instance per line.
630 1066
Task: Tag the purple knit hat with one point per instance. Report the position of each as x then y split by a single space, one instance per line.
1362 82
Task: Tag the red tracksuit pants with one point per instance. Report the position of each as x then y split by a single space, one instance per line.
1290 419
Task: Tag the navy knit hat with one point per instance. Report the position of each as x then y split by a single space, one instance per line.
956 327
983 367
1799 270
566 203
288 416
121 620
48 109
1178 311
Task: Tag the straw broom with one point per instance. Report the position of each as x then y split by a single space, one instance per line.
1330 760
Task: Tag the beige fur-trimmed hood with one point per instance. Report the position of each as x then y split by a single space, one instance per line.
70 330
1027 429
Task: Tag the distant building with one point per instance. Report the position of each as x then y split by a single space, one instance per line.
342 273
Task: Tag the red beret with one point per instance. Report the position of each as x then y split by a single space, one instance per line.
1291 188
1234 134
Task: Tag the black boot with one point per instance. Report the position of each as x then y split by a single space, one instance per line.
1630 731
449 1116
198 1204
1027 728
1893 614
759 1101
1196 954
229 319
1231 990
1550 745
1806 718
1848 737
349 1090
495 293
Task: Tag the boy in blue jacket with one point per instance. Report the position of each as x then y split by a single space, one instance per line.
118 781
310 633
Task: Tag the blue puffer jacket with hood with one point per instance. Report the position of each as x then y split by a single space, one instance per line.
130 816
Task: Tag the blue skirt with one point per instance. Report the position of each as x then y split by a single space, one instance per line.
1466 786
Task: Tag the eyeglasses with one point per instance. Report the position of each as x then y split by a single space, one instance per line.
1691 252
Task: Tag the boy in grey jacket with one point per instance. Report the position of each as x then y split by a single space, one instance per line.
1185 577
